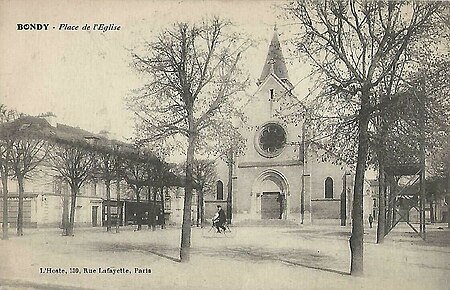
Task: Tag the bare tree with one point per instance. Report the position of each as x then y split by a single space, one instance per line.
153 185
27 155
204 175
6 142
163 177
25 150
193 74
416 122
440 173
353 46
135 175
119 166
107 169
228 144
74 162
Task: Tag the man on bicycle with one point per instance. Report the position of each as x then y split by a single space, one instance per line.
219 219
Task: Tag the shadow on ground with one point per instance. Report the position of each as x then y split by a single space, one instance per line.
162 251
439 237
295 257
330 234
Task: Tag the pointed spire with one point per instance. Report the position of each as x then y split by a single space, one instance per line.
274 61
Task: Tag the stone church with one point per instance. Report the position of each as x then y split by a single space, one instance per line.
273 179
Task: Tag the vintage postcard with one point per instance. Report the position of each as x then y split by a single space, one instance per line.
224 144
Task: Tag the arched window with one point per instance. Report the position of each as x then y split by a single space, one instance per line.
329 187
219 195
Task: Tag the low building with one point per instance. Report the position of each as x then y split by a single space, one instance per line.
47 196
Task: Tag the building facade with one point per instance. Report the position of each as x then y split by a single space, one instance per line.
278 177
47 197
44 201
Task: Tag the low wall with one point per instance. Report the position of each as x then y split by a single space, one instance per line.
326 208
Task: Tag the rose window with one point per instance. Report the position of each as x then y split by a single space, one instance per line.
271 140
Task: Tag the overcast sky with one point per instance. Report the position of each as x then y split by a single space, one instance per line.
83 76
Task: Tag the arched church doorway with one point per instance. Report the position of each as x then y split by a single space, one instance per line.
270 190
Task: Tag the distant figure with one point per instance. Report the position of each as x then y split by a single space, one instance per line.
219 219
370 220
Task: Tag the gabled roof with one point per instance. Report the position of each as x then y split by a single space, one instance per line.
73 130
285 84
66 132
275 63
24 125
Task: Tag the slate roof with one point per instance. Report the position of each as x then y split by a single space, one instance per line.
275 63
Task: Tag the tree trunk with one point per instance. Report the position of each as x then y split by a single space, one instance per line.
357 237
381 203
5 204
198 208
381 128
186 226
154 209
448 193
163 216
435 210
394 210
202 209
150 205
230 187
73 205
448 214
302 193
394 193
20 207
119 208
138 214
65 214
432 216
108 205
392 189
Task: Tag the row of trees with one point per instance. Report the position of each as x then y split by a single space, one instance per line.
370 95
361 54
29 144
380 93
20 154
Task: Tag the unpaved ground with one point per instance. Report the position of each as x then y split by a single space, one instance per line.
308 257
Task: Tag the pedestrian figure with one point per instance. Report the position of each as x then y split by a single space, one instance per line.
370 220
219 219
